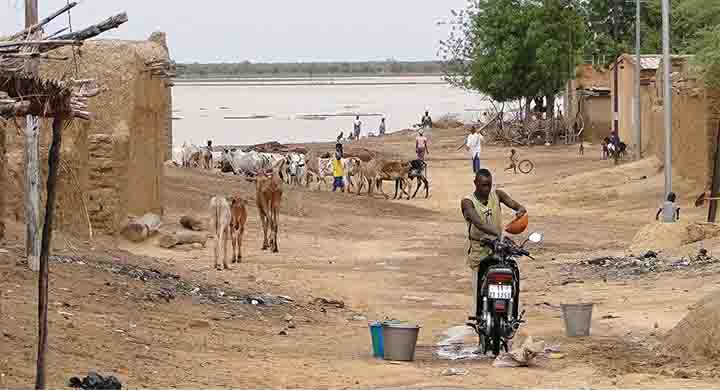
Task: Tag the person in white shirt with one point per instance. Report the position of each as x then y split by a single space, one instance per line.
473 144
356 127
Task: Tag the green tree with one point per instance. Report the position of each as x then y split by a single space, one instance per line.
514 49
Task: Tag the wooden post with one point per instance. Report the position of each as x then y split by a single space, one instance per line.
715 187
32 164
53 163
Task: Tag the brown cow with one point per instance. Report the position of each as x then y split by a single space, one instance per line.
369 172
238 218
269 190
397 171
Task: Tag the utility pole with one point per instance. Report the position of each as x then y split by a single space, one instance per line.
616 108
32 163
668 213
638 69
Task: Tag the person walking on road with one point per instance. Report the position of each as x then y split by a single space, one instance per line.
473 144
421 145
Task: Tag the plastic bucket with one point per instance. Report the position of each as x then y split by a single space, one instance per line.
376 334
577 319
399 341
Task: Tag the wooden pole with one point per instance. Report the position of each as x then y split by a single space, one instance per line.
715 187
53 163
32 165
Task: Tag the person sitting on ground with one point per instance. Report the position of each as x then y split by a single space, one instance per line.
338 173
670 205
421 145
482 211
513 161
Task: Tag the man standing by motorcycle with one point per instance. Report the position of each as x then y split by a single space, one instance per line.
483 213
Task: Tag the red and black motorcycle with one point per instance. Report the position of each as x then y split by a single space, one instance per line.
497 320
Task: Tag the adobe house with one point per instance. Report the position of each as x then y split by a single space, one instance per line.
649 65
589 95
112 165
695 123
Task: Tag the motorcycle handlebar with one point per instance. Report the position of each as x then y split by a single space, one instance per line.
497 244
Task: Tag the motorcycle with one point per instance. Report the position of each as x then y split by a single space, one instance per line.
496 321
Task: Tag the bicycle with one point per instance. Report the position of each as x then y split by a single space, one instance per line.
526 166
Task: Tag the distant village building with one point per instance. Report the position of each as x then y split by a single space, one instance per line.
587 102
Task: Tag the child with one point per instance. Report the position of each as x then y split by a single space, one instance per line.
604 144
669 204
513 161
582 149
338 173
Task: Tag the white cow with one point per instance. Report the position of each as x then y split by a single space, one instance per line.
296 168
350 167
177 155
220 214
191 155
251 163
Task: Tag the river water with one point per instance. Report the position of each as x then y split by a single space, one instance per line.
251 111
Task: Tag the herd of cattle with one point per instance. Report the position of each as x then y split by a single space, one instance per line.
270 171
301 169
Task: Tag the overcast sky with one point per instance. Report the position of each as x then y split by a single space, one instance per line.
264 30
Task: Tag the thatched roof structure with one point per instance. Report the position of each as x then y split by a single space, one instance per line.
22 94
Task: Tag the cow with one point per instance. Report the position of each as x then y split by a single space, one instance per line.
177 155
269 191
369 172
350 167
221 216
251 163
296 170
396 171
238 218
418 171
206 158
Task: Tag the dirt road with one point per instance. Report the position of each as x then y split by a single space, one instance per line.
397 259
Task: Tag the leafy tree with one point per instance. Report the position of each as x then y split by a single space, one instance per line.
514 49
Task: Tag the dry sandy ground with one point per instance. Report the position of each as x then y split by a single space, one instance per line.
397 259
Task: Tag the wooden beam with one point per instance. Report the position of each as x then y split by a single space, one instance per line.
14 109
95 30
36 26
48 42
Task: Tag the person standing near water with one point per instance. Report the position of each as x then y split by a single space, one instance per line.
356 127
338 144
381 129
426 121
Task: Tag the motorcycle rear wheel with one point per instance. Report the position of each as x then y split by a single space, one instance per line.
495 336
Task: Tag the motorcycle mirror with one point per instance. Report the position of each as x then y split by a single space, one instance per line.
536 237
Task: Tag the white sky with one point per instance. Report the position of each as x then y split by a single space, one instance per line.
265 31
